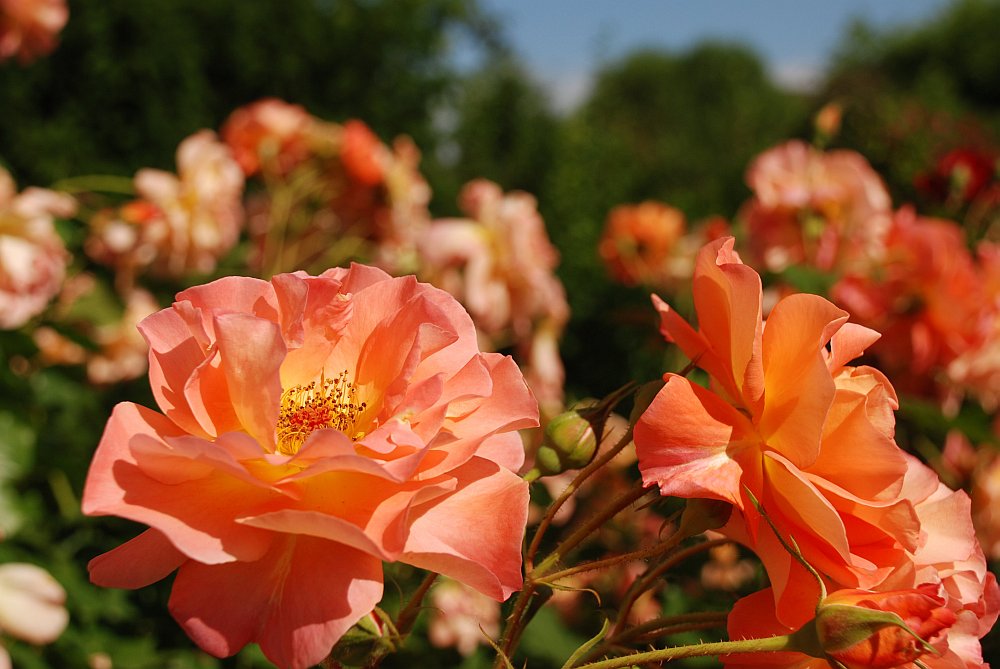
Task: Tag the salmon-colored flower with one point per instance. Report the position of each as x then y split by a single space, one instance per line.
949 557
201 205
985 493
786 419
826 209
362 153
501 265
182 222
928 300
33 258
269 135
312 428
28 28
852 630
638 240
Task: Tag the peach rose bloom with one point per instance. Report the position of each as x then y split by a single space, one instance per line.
312 428
501 265
826 209
949 556
33 258
28 28
200 208
269 135
985 493
943 590
975 370
787 420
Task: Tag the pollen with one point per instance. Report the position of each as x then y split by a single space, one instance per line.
330 403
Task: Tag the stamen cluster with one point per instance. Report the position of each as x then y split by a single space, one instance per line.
332 403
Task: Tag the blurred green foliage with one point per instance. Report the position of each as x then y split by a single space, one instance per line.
130 79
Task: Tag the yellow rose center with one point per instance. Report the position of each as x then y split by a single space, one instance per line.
331 403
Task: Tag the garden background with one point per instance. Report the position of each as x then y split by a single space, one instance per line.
130 80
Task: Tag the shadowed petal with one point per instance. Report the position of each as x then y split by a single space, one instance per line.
687 442
135 564
295 602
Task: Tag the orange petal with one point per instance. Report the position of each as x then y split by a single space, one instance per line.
296 601
463 535
799 388
138 562
688 442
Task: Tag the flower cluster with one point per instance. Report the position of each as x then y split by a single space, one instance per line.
33 258
181 223
800 443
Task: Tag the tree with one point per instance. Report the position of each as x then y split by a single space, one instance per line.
131 79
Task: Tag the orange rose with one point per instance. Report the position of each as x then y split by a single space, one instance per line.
312 428
786 419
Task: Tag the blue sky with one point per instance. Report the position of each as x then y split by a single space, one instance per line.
563 41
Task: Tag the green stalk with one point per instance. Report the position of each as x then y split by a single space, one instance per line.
770 644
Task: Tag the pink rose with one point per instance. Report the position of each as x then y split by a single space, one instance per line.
312 428
33 258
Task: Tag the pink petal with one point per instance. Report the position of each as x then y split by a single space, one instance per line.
234 294
296 601
102 492
195 511
251 351
174 354
145 559
474 535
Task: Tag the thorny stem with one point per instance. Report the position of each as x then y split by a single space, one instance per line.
770 644
585 530
518 619
642 583
408 614
661 627
584 474
641 554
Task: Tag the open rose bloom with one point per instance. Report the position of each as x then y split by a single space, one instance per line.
181 222
810 437
825 209
311 428
33 258
501 265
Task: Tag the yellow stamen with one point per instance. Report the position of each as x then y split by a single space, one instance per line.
332 403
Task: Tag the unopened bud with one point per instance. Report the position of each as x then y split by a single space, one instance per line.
570 443
363 642
887 629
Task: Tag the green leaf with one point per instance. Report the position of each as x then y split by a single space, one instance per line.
585 648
